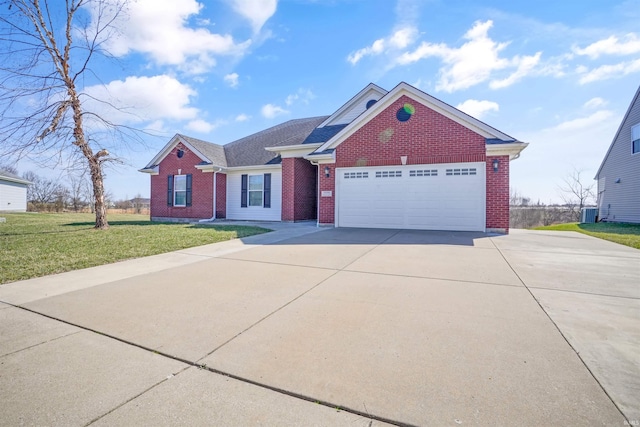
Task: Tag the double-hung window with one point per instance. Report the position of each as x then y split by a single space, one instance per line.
635 139
256 191
256 187
179 190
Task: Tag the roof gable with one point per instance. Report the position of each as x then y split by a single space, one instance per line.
635 103
188 142
404 89
355 106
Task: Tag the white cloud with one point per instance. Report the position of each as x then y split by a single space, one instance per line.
400 39
473 62
302 95
611 46
231 79
575 143
201 126
159 29
141 99
605 72
582 123
478 109
255 11
242 117
525 65
270 111
595 103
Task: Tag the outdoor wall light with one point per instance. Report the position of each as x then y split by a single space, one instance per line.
496 165
617 181
326 171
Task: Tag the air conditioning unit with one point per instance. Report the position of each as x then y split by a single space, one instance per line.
588 215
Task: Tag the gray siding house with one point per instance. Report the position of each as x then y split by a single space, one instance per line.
619 174
13 192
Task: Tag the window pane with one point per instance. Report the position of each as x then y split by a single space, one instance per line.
255 198
636 146
180 183
635 132
181 198
255 182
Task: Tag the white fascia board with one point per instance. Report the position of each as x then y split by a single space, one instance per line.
299 150
435 104
16 180
327 158
253 167
511 149
170 145
209 168
354 100
154 170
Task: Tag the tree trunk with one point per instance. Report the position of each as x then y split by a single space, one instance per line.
98 191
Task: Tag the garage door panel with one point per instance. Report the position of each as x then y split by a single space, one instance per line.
416 196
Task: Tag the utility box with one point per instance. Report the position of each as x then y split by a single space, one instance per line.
588 215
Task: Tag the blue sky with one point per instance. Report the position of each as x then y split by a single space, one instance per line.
559 75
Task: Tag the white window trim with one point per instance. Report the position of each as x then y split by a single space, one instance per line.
175 191
635 128
249 191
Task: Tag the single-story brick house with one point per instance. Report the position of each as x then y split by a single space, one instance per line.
385 159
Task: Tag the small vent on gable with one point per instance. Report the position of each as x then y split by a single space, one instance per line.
371 102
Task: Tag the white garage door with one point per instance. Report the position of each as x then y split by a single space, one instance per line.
448 196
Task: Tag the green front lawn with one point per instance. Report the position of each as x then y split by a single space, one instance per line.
34 245
625 234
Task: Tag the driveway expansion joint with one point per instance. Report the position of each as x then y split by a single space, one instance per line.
577 353
40 343
215 371
585 293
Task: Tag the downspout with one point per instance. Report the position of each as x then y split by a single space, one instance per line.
317 193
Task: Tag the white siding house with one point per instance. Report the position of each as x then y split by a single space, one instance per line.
13 193
256 213
619 174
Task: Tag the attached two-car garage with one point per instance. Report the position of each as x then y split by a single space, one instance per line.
449 196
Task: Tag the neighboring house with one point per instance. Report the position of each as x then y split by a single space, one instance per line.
13 192
619 174
139 203
385 159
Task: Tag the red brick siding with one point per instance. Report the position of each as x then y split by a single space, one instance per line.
426 138
221 195
202 187
299 195
326 211
498 194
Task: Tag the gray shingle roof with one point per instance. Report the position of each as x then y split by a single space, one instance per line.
323 134
213 152
250 150
8 176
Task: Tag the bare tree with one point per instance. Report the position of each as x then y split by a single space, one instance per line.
77 200
8 168
576 194
42 191
48 47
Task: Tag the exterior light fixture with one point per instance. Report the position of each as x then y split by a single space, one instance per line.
496 165
327 171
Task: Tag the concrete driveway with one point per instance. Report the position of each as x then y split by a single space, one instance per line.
333 327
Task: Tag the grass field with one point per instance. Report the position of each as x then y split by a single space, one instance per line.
625 234
34 245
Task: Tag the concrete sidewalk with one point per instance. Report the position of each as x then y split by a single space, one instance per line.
342 326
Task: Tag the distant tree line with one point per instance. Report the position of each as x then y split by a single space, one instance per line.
575 195
70 193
